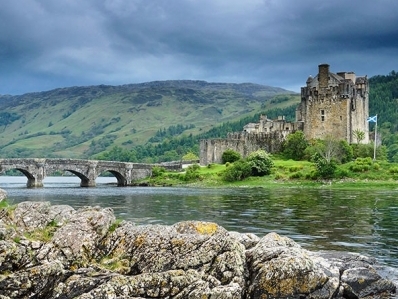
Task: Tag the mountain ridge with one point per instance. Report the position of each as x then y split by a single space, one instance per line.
72 121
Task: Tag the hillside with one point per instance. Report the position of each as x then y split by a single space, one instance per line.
383 101
79 122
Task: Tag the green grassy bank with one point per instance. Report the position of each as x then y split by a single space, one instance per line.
358 174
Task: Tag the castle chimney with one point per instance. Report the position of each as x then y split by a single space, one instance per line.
323 77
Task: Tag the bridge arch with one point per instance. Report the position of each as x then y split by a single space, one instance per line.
33 169
121 180
36 169
31 179
84 180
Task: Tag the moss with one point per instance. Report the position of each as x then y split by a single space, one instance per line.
44 234
116 264
114 225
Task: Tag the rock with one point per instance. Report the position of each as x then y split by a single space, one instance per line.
59 252
280 268
248 240
3 194
359 277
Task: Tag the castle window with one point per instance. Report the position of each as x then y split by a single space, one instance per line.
322 115
341 118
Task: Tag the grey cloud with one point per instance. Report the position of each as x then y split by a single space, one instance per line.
47 44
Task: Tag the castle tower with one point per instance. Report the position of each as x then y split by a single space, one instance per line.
334 105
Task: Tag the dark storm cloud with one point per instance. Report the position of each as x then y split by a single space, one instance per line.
46 44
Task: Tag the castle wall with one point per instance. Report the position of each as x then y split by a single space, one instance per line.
325 118
211 150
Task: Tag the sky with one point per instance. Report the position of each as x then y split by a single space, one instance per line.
47 44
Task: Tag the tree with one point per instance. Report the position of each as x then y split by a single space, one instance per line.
328 149
295 145
230 156
260 162
190 156
358 135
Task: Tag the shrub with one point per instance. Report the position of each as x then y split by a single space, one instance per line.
230 156
237 171
260 162
346 152
325 169
393 170
361 165
295 168
342 173
279 176
192 172
158 171
296 175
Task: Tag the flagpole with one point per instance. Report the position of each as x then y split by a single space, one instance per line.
374 150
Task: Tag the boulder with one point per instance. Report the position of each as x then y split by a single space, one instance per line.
59 252
3 194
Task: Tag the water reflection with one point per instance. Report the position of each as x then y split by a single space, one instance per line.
358 221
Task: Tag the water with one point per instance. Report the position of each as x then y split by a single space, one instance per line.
356 221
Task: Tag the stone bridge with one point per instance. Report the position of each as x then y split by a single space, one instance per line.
36 169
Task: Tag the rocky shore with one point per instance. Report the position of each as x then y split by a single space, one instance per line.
58 252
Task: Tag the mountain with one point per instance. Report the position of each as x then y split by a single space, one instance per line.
79 122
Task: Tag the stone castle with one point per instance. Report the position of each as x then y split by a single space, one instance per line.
331 105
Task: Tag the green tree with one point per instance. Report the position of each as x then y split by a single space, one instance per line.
295 145
260 162
190 156
230 156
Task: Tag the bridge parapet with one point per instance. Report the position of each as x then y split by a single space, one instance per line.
87 170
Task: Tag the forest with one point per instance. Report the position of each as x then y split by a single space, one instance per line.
383 101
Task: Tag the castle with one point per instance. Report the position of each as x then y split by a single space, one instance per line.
331 105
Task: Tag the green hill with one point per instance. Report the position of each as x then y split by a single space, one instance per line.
79 122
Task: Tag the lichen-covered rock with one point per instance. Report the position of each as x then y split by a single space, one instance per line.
246 239
280 268
59 252
359 278
205 248
31 216
3 194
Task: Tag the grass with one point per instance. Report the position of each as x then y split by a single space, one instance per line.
44 235
289 173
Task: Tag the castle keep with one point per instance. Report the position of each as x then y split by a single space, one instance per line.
331 104
335 105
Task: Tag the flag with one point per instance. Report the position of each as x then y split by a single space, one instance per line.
372 119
